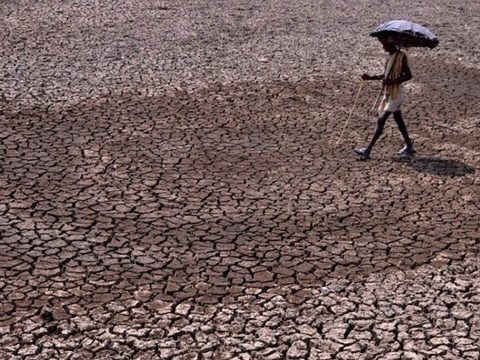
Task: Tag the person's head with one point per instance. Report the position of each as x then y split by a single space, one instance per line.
388 44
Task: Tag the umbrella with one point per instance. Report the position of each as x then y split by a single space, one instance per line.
406 34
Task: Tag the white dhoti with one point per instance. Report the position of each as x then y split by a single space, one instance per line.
392 103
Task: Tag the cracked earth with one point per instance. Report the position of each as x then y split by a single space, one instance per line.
170 186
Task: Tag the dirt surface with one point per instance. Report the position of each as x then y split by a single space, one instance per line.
170 188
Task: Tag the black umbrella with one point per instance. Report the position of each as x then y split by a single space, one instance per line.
406 34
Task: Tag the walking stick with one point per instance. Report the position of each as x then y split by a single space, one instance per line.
351 112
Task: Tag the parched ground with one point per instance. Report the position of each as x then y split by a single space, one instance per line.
171 186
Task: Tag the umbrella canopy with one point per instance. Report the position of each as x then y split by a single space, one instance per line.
406 34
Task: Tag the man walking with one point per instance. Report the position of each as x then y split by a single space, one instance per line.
396 73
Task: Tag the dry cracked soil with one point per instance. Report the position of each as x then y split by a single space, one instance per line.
171 187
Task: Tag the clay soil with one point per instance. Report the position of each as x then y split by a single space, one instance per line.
171 186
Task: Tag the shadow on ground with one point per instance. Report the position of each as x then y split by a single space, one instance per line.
438 166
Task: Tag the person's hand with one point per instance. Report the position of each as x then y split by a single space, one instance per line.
366 77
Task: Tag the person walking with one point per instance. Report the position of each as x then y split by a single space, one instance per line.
397 72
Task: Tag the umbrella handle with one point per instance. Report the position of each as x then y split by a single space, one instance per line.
376 100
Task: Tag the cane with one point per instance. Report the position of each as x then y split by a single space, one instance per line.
351 112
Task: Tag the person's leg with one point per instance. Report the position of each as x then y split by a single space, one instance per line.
408 148
397 115
365 152
380 126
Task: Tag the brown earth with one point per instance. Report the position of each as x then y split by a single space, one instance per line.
170 186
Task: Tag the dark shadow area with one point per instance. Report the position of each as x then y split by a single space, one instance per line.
437 166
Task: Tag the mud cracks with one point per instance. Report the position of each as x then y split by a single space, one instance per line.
216 220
